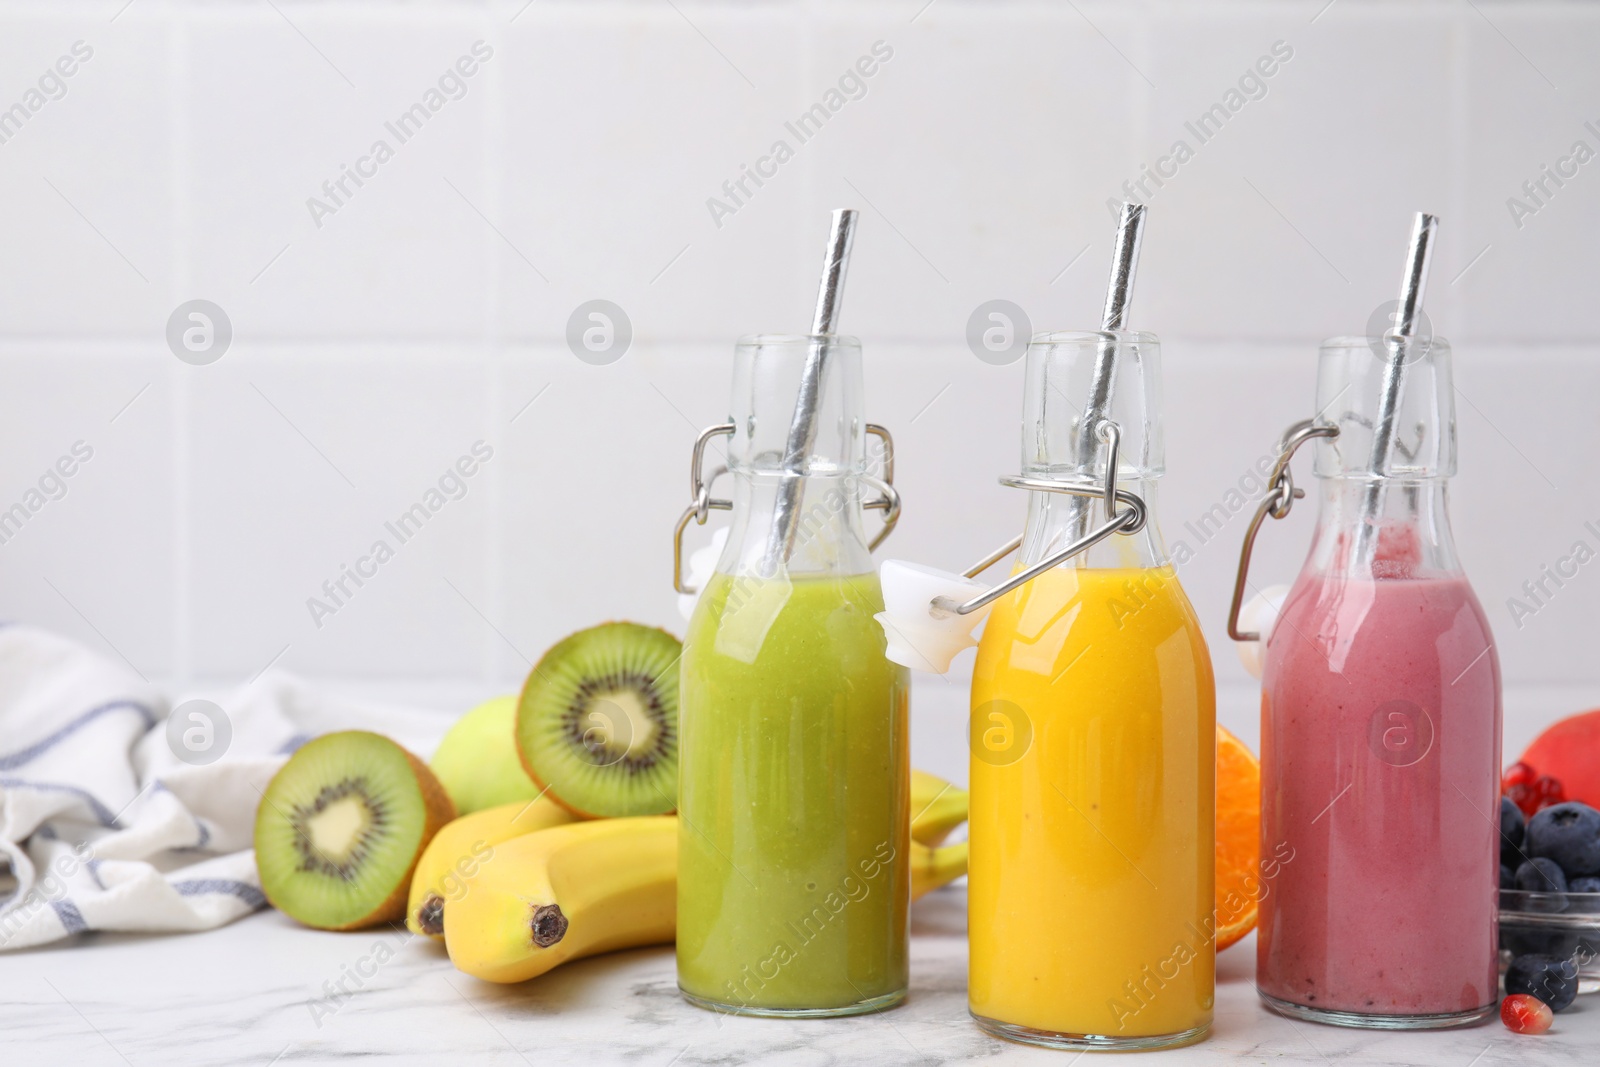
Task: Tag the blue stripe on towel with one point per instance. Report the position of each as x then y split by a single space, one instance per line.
38 748
243 890
101 812
71 918
93 867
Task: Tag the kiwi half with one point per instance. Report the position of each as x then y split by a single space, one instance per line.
597 722
340 828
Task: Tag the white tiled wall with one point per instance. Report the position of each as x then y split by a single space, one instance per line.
426 313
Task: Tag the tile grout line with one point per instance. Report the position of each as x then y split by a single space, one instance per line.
183 653
368 346
495 566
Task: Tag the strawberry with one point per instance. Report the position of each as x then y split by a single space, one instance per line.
1524 1013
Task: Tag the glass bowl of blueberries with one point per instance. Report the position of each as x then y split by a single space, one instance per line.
1549 897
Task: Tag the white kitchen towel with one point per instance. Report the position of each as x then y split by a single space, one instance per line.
102 824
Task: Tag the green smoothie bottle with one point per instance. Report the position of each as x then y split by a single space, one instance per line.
793 781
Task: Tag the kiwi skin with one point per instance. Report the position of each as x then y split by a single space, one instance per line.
546 788
439 810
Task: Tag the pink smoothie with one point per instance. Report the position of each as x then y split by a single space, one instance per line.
1380 733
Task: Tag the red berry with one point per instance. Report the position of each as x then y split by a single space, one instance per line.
1517 774
1524 1013
1523 797
1530 790
1547 791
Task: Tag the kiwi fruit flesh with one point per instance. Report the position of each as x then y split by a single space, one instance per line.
340 828
597 721
477 761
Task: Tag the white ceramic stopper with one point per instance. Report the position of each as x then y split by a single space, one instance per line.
918 637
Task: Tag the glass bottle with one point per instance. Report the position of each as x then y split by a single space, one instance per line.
1380 727
793 882
1090 897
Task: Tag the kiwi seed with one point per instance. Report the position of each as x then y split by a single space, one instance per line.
364 839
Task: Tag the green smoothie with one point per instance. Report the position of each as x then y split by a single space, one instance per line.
792 796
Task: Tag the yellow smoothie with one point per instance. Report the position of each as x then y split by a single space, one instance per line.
1093 793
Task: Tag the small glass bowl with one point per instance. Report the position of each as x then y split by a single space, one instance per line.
1555 924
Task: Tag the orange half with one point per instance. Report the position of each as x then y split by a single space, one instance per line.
1238 838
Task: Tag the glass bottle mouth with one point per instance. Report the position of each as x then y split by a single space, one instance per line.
1075 378
1358 389
779 377
798 451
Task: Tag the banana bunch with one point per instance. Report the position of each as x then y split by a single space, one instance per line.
460 847
539 895
564 893
937 807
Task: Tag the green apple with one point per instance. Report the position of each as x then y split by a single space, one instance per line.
477 761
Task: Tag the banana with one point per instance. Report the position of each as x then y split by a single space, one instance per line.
934 867
563 893
460 847
937 807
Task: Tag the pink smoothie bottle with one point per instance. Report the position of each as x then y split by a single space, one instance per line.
1380 718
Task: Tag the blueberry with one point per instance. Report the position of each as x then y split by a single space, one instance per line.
1508 879
1512 827
1550 978
1588 903
1569 834
1543 876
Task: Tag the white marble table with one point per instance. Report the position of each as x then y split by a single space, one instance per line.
255 993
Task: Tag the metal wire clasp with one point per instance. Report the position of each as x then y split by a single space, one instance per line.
704 503
1281 495
1129 520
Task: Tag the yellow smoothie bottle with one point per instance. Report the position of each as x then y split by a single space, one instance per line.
1093 727
1093 779
1093 740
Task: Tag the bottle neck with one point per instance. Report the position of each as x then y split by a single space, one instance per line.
1056 520
1385 528
829 535
796 458
1076 384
